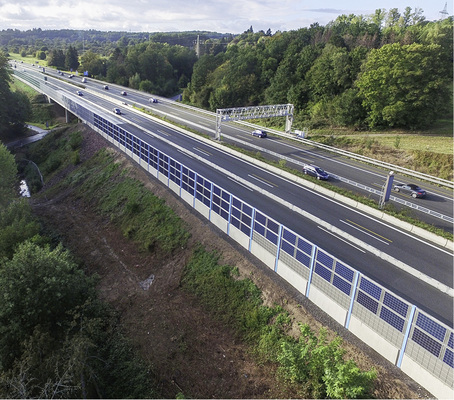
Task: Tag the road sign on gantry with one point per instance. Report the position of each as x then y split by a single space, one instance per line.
254 112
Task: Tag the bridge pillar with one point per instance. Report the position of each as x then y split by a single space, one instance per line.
66 116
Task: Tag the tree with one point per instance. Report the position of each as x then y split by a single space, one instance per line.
41 55
405 86
16 226
15 107
37 288
56 59
93 63
71 59
8 176
330 73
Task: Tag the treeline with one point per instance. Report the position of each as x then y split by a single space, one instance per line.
15 107
385 70
101 42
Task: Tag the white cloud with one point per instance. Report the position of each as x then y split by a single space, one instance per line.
230 16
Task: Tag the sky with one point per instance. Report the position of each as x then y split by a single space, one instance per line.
223 16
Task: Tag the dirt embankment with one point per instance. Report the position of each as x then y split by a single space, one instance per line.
188 351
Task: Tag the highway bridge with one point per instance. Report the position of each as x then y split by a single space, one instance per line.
413 265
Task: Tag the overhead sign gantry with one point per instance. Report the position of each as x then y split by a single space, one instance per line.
254 112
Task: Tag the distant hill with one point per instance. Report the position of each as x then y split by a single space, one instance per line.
50 38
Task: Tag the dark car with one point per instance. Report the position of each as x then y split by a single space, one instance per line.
123 93
106 87
259 133
153 100
117 111
79 93
411 189
316 172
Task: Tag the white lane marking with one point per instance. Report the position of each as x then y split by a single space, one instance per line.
185 154
366 233
338 237
259 180
241 184
202 151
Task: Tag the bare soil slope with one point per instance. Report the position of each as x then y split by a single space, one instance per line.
188 351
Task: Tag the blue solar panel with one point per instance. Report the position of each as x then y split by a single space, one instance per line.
392 319
288 248
342 285
236 213
289 236
273 226
271 236
426 342
303 258
344 271
367 302
304 246
217 190
259 228
370 288
448 358
261 218
226 196
325 259
323 272
430 326
236 203
247 209
395 304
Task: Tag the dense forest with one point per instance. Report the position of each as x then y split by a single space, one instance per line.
389 69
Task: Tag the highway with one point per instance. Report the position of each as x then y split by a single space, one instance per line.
419 271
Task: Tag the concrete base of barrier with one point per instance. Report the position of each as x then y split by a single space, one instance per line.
220 222
202 209
187 197
263 255
174 187
297 281
162 178
433 384
239 236
373 339
326 304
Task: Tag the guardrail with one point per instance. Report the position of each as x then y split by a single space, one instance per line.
414 341
345 153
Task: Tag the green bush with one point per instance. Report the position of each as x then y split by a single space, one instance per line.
318 366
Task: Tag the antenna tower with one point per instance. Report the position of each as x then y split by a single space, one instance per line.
444 12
